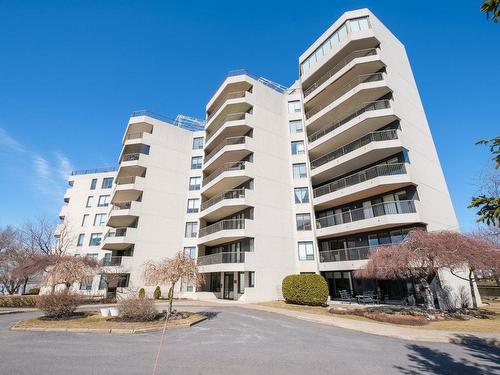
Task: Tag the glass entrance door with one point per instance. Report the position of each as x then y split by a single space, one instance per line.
228 285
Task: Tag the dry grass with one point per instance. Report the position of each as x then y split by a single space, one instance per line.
304 308
96 321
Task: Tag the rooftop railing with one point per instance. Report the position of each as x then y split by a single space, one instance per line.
225 142
342 63
219 258
355 82
97 170
340 255
228 194
379 209
228 118
370 106
231 166
378 136
359 177
181 121
229 224
231 95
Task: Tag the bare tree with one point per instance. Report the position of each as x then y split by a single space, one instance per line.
66 270
170 271
43 237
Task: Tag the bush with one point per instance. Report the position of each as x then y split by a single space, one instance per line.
157 293
142 293
137 309
59 305
305 290
33 291
18 301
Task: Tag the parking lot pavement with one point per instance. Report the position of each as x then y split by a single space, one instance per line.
238 341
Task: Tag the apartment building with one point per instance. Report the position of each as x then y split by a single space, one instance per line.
305 179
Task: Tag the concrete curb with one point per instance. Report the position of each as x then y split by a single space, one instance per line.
403 333
8 312
120 331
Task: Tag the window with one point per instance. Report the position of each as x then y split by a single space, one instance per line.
99 220
107 183
194 183
191 229
103 201
186 286
359 24
298 148
86 285
251 279
296 126
81 238
95 239
93 256
301 195
93 184
241 282
299 170
85 220
294 106
197 143
193 205
191 251
196 162
90 201
303 221
306 250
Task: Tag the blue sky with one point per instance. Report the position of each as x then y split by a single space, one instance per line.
71 72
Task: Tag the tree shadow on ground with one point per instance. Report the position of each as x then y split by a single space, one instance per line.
485 354
209 314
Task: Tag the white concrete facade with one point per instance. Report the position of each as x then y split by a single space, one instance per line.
286 180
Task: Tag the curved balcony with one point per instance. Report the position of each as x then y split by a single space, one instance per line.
355 57
225 231
367 118
227 177
233 125
373 146
119 238
233 103
226 203
366 183
364 88
374 217
123 214
221 262
233 148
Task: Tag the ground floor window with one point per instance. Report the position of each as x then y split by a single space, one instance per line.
241 282
251 279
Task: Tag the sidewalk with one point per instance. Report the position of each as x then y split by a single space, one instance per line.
380 329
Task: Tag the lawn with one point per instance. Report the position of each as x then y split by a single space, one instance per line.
96 321
472 325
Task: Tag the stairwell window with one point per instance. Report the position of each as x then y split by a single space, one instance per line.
294 106
306 250
195 183
298 148
299 170
197 143
296 126
193 205
301 195
196 162
191 229
251 279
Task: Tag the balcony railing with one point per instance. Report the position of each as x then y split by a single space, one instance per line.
122 205
366 107
355 82
325 77
229 224
112 261
339 255
379 136
118 232
219 258
225 142
231 166
131 157
379 209
357 178
125 180
232 117
134 135
228 194
231 95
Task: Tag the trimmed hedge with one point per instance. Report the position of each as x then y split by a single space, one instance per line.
18 301
305 290
142 293
157 293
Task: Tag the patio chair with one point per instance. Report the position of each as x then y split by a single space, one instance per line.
345 296
370 297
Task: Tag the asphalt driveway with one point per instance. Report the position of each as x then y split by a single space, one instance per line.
237 341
